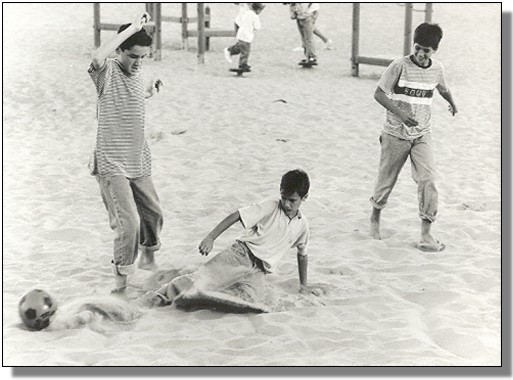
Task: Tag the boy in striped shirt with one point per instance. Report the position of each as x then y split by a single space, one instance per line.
406 90
121 160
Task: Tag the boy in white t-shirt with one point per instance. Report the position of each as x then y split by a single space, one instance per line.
243 7
271 228
248 22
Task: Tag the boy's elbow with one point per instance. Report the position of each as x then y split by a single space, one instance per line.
378 94
97 60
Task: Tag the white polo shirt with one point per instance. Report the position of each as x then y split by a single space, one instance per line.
270 233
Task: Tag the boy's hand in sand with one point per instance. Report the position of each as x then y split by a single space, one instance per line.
140 20
315 290
206 245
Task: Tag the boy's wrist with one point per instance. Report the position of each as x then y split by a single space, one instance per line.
131 30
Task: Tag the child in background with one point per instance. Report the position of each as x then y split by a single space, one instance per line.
406 90
302 13
248 22
313 9
121 160
242 8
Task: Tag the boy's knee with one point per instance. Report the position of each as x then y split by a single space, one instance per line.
131 226
427 183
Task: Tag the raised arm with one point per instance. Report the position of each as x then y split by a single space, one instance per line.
104 51
383 99
207 243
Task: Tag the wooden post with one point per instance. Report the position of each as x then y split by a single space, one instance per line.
150 9
97 30
355 39
157 13
429 12
207 25
201 33
184 20
407 28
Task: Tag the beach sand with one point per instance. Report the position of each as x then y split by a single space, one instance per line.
220 142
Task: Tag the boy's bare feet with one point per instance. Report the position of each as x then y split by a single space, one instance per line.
147 261
428 242
374 224
120 284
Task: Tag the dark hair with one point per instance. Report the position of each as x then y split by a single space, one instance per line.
295 181
428 35
257 6
141 38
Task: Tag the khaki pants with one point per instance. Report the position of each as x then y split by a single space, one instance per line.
135 216
234 271
394 153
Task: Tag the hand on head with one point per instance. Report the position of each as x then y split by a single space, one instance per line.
140 20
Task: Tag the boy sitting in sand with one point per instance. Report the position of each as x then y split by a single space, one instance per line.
272 227
121 160
406 90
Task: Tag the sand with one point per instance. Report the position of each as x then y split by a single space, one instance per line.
220 142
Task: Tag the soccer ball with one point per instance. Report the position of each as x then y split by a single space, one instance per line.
37 309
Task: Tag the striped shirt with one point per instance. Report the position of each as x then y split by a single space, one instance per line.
411 88
121 148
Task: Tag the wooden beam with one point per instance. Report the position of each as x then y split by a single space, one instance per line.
157 13
373 61
201 33
97 27
213 33
355 39
184 21
429 12
407 28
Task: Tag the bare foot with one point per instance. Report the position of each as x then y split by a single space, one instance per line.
151 266
374 226
147 261
428 242
374 230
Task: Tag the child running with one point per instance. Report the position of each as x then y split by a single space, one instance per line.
246 23
405 90
121 159
271 228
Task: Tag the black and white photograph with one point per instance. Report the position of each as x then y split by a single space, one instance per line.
254 185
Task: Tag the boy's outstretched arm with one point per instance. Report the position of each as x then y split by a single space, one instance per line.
105 50
383 99
207 243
